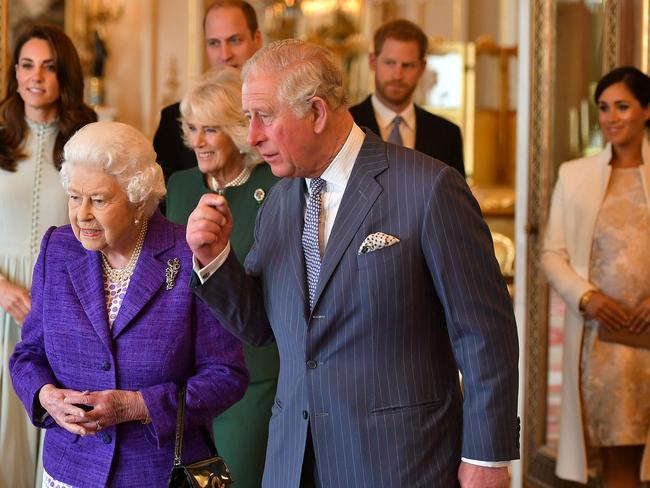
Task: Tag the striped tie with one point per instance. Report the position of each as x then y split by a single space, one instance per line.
310 245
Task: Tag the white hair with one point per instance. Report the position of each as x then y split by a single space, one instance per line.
304 70
122 152
215 99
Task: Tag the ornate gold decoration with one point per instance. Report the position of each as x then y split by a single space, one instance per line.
536 464
610 35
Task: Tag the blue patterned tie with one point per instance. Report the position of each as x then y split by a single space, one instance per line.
310 237
395 137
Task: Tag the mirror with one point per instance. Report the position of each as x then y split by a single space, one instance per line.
573 42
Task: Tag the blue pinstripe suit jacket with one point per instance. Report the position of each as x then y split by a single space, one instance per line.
373 369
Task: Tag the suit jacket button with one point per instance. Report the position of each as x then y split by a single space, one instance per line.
305 414
311 364
106 365
106 438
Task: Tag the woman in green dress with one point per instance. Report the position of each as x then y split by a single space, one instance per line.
216 129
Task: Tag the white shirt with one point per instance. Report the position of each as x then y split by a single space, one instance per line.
385 116
336 178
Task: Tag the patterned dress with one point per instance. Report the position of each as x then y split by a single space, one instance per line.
31 200
616 378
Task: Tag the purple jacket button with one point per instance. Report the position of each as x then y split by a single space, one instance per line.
106 438
106 365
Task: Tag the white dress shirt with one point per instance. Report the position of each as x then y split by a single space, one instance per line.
385 117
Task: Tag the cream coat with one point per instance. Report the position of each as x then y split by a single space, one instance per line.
577 198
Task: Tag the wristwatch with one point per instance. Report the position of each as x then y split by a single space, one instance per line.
584 299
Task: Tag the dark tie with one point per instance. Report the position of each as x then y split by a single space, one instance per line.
395 137
310 245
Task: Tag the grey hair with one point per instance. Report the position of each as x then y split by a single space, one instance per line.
215 99
122 152
304 70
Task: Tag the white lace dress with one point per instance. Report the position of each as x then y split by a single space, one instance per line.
616 378
31 200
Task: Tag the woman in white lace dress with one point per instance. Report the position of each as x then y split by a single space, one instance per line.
596 256
42 108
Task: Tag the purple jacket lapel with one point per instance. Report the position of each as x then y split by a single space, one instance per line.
88 282
149 274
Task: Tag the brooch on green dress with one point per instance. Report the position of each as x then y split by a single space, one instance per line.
259 195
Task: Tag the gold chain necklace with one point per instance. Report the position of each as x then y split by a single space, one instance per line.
121 275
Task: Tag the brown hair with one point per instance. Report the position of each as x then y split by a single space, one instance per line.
402 30
73 113
245 7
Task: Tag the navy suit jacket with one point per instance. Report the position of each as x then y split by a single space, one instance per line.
434 136
171 152
160 339
373 368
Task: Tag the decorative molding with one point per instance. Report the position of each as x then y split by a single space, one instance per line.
610 34
539 160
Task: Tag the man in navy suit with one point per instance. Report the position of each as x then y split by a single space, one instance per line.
375 274
231 37
398 62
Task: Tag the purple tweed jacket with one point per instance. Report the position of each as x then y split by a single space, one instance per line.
160 339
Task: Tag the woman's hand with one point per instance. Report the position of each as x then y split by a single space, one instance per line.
640 317
109 407
14 299
52 399
607 311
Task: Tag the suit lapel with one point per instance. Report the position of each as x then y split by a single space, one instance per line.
369 119
294 211
88 283
422 143
149 274
360 194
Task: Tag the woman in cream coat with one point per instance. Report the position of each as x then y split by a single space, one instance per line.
571 248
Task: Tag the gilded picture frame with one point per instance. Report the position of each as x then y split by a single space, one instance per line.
546 75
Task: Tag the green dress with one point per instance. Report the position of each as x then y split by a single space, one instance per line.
240 432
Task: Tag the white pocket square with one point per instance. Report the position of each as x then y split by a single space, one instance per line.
377 241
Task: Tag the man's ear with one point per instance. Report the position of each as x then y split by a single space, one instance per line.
320 113
257 39
372 61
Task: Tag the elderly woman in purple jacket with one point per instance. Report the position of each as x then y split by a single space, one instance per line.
114 329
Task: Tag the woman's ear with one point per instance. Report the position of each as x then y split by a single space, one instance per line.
320 112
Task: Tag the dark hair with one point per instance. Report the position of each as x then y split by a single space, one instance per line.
634 80
402 30
245 7
73 113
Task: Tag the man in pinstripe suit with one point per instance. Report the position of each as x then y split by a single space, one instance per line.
407 292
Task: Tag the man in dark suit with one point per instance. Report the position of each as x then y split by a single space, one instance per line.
375 274
231 37
399 61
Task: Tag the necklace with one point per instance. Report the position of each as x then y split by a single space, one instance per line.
239 180
121 275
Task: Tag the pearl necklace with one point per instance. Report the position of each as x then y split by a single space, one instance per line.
121 275
239 180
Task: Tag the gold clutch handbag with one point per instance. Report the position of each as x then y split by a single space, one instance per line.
625 337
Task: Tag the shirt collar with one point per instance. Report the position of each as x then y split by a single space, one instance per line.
338 172
385 115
